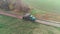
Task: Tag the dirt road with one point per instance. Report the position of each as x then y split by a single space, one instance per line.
39 21
12 15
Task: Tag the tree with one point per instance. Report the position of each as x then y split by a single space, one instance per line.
20 6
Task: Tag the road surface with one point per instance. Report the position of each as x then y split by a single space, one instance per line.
39 21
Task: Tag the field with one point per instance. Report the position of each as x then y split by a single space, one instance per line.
10 25
45 5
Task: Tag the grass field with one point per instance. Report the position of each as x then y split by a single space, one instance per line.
45 5
10 25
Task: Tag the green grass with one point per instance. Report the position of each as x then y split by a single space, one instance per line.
45 5
9 25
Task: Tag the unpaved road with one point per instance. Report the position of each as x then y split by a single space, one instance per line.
48 23
39 21
12 15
